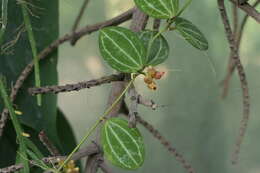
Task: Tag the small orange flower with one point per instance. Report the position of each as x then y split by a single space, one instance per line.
152 86
150 76
151 72
148 80
158 75
70 167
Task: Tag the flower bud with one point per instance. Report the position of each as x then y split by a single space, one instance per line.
152 86
148 80
151 72
158 75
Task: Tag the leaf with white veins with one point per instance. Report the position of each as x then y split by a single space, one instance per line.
123 146
122 49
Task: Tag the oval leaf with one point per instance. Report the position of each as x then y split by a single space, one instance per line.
122 49
123 146
159 51
161 9
176 6
191 33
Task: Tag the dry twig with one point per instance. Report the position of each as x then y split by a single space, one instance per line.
242 77
48 144
248 9
78 86
231 66
77 21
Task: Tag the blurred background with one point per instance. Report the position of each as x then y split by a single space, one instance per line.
201 125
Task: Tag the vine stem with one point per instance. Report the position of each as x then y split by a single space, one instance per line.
102 118
17 126
4 19
32 41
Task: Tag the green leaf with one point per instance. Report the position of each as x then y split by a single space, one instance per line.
191 33
11 65
123 146
176 6
161 9
159 51
122 49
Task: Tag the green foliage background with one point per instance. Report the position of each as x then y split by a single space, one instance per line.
34 118
197 122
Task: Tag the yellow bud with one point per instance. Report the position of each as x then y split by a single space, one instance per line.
151 72
18 112
158 75
148 80
27 135
152 86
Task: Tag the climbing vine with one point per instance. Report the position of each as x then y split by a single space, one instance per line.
131 52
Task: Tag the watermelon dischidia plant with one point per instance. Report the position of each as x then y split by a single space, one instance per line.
35 135
138 54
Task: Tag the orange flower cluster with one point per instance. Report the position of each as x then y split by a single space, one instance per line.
150 76
70 167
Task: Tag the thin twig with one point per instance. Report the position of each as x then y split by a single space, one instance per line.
112 22
48 144
242 77
78 86
136 99
243 23
248 9
77 21
235 19
231 65
52 47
